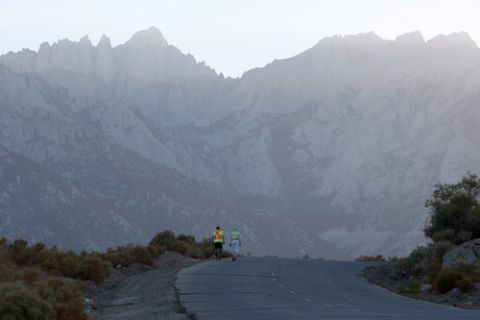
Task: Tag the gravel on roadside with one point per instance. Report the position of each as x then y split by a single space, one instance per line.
139 291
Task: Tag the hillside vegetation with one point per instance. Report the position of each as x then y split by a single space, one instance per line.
454 218
42 283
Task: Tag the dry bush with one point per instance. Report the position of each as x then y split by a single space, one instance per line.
472 270
94 269
18 251
71 265
165 238
378 258
183 244
64 296
127 255
448 279
143 255
18 302
37 282
465 285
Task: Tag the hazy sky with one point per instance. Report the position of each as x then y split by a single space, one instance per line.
231 36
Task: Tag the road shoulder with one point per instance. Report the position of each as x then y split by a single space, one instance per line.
140 292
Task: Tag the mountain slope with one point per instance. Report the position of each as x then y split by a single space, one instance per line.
66 181
335 149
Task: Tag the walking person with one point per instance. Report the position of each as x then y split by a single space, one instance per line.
218 242
235 243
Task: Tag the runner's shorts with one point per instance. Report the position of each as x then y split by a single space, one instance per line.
218 245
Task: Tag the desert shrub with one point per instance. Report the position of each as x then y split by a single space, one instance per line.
378 258
421 262
94 269
412 288
66 264
444 235
472 270
447 279
165 238
4 251
197 253
65 297
20 303
45 283
180 247
422 253
465 285
156 251
183 244
206 247
18 251
402 263
127 255
71 265
186 238
28 276
455 207
118 256
440 249
143 255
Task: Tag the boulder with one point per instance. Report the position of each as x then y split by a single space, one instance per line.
468 252
426 287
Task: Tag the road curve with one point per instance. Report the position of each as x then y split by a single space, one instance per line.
277 288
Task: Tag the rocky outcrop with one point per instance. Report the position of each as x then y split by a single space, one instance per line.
468 252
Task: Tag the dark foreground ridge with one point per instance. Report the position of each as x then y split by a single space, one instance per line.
275 288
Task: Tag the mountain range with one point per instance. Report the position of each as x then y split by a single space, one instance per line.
330 153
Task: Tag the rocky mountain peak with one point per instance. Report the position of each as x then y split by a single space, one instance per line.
149 37
104 42
457 39
44 46
85 42
411 38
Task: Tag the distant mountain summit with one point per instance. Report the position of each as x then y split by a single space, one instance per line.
150 38
331 152
412 38
146 55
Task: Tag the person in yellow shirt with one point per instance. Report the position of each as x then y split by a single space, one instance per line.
218 242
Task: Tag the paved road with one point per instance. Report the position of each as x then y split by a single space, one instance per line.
274 288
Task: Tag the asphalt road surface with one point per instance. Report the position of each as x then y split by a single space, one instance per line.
275 288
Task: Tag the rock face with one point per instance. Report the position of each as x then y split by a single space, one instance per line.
468 252
333 150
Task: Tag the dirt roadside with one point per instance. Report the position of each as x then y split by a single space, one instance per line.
139 291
